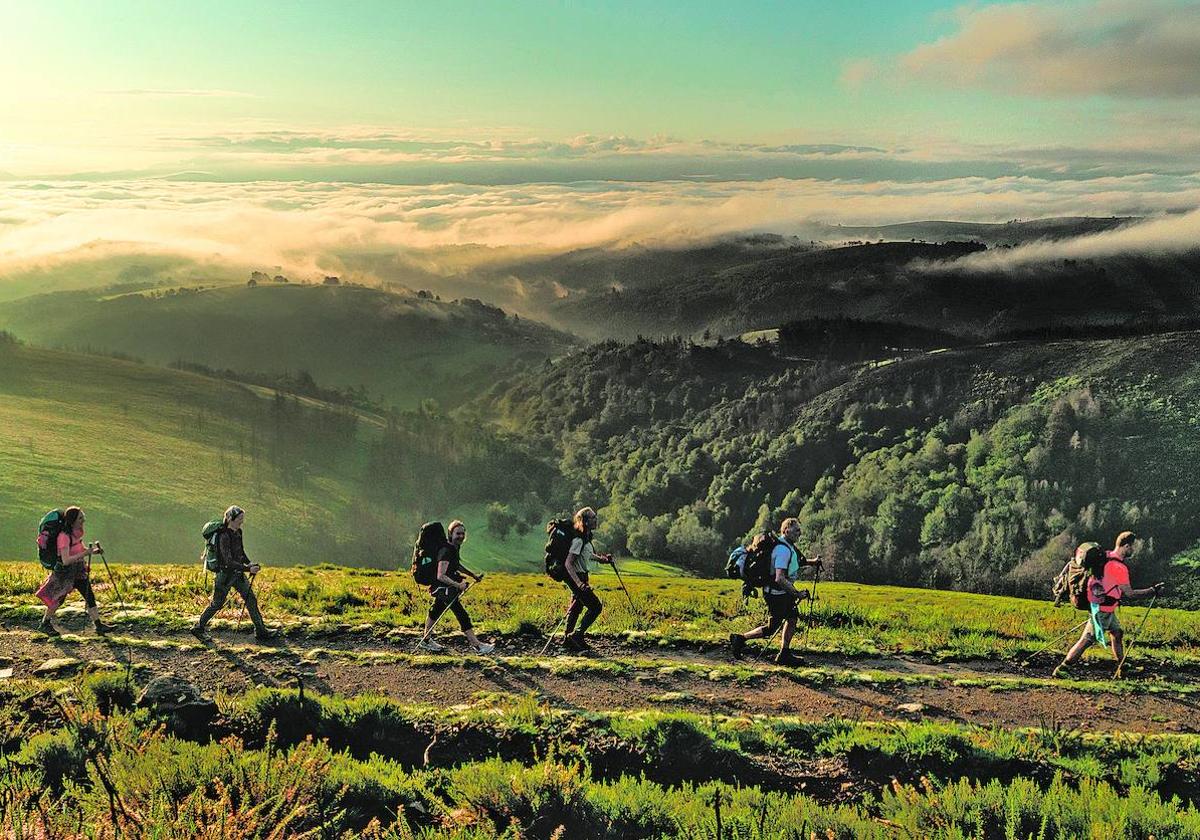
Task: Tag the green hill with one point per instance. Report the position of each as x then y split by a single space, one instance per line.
153 453
402 349
977 468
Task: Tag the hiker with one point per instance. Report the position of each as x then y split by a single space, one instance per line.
232 566
1104 596
583 597
71 569
447 589
781 595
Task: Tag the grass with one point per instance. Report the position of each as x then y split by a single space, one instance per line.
851 619
417 349
148 453
513 766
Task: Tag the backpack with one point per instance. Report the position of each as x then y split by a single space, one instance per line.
47 539
736 563
1072 582
431 540
758 569
210 531
560 533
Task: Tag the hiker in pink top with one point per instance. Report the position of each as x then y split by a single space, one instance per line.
71 572
1105 596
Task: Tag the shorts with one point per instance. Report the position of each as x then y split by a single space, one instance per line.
782 607
1108 621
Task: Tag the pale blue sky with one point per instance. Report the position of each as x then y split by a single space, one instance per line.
114 85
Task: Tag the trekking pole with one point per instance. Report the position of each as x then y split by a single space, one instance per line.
112 580
453 601
812 600
242 611
627 595
553 633
1054 641
1137 634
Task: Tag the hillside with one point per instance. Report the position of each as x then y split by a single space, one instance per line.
402 349
153 453
977 468
893 283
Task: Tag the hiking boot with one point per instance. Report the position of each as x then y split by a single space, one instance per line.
1062 672
199 632
431 644
48 628
788 659
736 642
101 628
483 648
266 635
575 642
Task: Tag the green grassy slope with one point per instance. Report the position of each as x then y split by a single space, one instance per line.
402 349
152 453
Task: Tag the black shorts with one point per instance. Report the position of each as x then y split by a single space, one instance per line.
782 607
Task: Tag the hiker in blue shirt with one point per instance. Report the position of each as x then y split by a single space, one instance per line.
781 595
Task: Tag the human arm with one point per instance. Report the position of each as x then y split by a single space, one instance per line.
469 573
783 582
1128 591
229 557
67 558
443 576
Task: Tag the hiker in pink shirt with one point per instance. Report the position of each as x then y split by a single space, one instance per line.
1105 596
71 572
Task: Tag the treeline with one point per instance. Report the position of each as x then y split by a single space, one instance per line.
976 469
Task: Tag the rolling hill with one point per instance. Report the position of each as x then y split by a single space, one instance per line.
152 453
402 349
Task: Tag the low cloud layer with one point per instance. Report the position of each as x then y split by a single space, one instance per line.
1136 49
314 228
1158 236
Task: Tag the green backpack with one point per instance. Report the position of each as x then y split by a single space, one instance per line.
212 562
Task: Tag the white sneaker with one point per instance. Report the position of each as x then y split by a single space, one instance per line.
484 648
432 645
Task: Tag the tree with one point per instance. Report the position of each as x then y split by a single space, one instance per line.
500 519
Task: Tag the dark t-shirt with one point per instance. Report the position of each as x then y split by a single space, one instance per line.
449 554
230 550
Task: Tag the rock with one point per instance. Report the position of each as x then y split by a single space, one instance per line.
179 704
53 667
911 708
5 673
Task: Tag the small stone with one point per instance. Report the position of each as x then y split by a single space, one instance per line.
58 666
911 708
5 673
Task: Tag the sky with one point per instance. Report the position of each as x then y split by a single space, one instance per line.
581 123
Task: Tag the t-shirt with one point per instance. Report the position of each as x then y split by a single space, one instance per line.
449 554
1116 573
583 554
784 556
68 544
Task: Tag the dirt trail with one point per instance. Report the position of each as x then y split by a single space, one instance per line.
350 664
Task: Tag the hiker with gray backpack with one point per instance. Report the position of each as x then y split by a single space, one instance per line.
68 560
773 562
437 563
225 555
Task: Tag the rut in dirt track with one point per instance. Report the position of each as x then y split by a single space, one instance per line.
651 677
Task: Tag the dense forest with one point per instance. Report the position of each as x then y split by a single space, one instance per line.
976 468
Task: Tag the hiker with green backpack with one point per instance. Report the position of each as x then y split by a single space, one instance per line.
437 563
68 560
774 563
225 555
